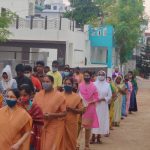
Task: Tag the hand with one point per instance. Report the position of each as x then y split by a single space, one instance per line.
15 147
71 109
102 100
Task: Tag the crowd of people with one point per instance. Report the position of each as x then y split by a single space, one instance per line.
44 109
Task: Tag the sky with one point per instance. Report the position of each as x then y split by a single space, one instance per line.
66 2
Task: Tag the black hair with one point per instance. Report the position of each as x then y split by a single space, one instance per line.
15 92
66 68
131 72
19 68
27 88
51 78
55 62
70 79
88 72
28 68
35 68
109 78
40 62
47 67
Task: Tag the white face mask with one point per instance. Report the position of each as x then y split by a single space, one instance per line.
27 75
101 78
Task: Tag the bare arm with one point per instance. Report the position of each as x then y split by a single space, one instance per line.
20 141
51 116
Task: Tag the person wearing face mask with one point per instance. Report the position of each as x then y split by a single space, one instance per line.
102 109
36 82
15 124
133 101
89 95
7 82
53 106
56 75
35 112
21 78
121 90
74 107
66 73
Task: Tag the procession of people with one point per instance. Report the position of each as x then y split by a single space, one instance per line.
43 108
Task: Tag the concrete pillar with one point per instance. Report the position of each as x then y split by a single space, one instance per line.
25 54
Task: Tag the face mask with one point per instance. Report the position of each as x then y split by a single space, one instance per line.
68 88
47 86
24 99
101 78
66 74
54 69
11 103
27 75
87 80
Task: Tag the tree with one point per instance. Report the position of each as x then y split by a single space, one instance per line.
82 11
6 19
127 17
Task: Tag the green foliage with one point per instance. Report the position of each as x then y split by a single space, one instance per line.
6 18
127 18
84 11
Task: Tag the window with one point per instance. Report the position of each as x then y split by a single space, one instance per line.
47 6
3 11
54 7
98 55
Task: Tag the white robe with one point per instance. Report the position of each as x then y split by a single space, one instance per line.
102 109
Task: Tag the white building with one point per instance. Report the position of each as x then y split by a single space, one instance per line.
22 8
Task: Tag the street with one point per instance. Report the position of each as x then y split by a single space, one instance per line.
134 132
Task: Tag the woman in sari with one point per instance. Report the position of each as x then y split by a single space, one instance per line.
74 107
89 94
53 106
133 101
36 113
111 105
15 124
118 102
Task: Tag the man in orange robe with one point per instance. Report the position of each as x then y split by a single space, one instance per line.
53 106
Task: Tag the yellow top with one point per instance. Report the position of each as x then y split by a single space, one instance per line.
57 78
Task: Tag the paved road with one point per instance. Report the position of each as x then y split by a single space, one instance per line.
134 132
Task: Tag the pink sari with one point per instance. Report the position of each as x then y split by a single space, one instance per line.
89 93
128 95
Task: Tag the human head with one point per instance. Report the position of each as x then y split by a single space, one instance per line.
66 72
130 74
48 82
118 79
25 93
68 85
77 70
12 97
101 76
28 71
116 69
55 66
87 76
75 86
40 67
46 69
109 79
6 73
20 70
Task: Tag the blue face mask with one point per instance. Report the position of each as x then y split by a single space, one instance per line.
67 88
11 103
54 69
66 73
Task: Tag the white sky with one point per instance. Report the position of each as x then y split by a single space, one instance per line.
66 2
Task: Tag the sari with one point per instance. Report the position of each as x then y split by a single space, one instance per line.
13 125
89 94
71 121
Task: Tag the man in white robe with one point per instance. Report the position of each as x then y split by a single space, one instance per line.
102 107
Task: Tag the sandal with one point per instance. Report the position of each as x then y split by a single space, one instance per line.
92 141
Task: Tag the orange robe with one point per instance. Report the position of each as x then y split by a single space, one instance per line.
71 122
53 130
13 124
